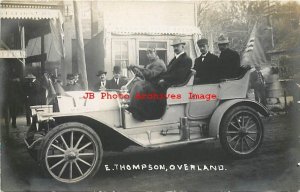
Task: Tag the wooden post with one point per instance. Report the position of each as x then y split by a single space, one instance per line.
68 28
42 51
80 50
285 101
23 48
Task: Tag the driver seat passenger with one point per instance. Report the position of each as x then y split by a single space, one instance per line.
159 106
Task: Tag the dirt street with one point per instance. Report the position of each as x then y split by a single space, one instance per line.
274 167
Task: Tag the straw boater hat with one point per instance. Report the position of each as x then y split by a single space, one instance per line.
177 42
100 73
222 39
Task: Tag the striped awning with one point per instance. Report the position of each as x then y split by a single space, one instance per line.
152 30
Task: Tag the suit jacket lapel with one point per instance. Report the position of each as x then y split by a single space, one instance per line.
174 60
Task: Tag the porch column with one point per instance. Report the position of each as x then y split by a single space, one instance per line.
23 48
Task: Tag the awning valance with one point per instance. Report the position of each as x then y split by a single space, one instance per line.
30 13
153 30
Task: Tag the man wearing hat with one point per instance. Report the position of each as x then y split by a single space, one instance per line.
206 65
229 60
71 85
117 81
179 67
148 109
32 92
101 84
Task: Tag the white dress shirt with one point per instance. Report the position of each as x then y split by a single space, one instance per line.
177 55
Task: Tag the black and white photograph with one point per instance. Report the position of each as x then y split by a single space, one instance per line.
149 95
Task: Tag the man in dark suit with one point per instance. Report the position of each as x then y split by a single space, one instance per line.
257 82
117 81
15 93
32 89
178 68
229 60
206 65
101 84
71 85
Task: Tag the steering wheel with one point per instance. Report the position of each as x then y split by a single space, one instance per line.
137 72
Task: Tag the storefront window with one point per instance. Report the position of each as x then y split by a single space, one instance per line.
161 50
120 55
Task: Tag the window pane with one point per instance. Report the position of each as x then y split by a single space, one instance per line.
117 62
143 59
124 55
143 44
124 63
162 54
162 45
118 56
124 43
116 48
146 44
124 50
116 45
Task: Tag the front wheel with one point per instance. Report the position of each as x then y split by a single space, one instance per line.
71 152
241 131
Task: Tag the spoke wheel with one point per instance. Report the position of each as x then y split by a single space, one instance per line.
241 131
71 152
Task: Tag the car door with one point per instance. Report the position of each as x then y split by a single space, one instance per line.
203 100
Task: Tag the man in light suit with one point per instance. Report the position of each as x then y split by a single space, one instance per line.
179 67
117 81
206 65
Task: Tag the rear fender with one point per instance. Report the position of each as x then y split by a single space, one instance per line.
218 114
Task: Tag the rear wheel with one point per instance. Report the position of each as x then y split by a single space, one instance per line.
71 152
241 131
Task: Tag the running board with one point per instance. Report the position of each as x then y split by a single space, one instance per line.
169 144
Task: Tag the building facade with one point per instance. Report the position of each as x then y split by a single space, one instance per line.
119 32
31 36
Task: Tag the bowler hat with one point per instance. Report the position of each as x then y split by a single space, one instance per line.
222 39
177 42
117 69
70 76
202 42
100 73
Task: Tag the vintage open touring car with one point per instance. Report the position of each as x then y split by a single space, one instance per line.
68 144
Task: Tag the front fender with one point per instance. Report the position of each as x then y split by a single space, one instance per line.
218 114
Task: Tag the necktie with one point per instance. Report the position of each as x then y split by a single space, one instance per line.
117 81
203 57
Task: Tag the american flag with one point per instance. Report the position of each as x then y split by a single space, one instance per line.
254 53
